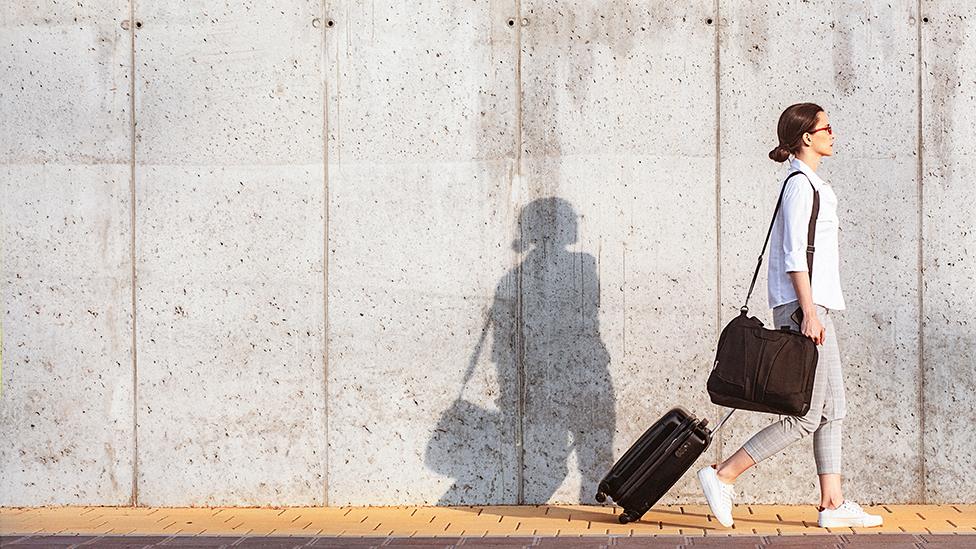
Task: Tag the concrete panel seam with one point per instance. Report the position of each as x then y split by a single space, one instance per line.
520 377
718 200
134 496
519 339
921 250
518 91
323 63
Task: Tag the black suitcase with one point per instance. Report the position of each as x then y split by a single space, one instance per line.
661 456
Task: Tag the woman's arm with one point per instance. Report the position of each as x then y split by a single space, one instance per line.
811 326
797 207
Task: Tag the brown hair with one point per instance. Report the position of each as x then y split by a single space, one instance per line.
793 123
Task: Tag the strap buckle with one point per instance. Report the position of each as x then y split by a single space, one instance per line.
811 249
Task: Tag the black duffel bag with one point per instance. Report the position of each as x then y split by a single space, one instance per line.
766 370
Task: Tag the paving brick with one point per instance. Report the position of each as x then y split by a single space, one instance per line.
891 545
54 521
468 513
889 527
406 544
336 542
475 533
45 541
587 542
725 543
206 531
70 511
786 542
497 541
621 530
438 532
503 545
468 531
431 541
118 541
667 542
293 531
690 531
137 511
262 527
275 542
177 529
868 541
367 532
198 542
199 545
963 541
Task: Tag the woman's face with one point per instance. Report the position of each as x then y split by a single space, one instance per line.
822 142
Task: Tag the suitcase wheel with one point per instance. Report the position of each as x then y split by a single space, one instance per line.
625 517
601 497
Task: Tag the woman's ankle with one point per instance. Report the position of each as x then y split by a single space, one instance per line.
723 473
830 504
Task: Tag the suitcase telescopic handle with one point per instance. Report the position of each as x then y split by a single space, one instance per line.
722 423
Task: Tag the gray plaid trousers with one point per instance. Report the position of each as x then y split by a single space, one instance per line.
828 405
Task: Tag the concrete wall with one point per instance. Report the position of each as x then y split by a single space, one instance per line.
417 253
65 157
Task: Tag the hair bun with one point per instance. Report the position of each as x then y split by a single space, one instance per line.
779 154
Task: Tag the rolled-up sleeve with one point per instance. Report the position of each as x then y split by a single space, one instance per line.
797 206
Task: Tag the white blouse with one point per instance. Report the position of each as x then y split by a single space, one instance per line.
788 242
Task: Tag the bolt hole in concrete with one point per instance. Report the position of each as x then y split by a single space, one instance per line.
330 23
925 19
511 22
138 24
708 21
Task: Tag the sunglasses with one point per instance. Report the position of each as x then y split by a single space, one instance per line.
827 127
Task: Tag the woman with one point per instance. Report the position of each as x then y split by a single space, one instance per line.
805 133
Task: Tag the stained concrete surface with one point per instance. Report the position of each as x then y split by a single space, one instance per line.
948 266
229 254
66 405
601 82
423 206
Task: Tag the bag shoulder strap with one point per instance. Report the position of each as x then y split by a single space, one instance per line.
811 234
812 231
473 361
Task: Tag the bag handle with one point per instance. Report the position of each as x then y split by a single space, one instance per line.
811 234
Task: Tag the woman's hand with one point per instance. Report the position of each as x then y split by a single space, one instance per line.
812 328
810 325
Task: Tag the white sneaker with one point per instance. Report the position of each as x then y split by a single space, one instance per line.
719 495
848 514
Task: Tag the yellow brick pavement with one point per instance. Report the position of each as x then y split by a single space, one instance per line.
541 520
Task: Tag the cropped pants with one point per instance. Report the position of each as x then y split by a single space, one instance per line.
828 405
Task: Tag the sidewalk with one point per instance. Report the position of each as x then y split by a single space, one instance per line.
466 522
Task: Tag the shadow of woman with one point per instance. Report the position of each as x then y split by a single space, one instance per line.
555 393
